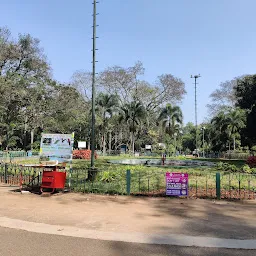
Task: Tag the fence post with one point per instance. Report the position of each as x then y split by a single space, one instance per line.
5 173
218 194
128 182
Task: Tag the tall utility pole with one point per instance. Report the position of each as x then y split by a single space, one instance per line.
196 77
93 83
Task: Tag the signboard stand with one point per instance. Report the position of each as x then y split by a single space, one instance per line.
58 149
176 184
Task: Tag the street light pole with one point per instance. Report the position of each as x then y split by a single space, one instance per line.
196 77
93 84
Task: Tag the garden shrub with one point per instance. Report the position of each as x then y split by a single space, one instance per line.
109 176
221 166
247 169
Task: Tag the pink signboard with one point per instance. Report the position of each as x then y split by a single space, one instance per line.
176 184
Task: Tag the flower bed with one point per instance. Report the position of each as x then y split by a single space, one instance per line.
251 161
83 154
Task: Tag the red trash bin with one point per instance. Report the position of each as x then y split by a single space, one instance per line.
53 180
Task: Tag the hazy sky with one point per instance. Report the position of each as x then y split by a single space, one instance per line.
214 38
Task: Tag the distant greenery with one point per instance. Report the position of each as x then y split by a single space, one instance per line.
129 110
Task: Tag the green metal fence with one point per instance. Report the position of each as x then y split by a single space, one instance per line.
202 184
17 154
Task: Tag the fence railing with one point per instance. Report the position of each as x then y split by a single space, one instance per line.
151 182
17 154
19 175
202 184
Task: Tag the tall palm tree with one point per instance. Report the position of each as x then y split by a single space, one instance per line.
133 114
227 125
106 104
235 121
171 119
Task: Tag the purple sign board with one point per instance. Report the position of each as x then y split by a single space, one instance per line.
176 184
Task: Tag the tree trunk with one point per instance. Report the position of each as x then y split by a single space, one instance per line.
229 149
109 142
104 144
120 135
234 143
133 144
7 141
32 139
116 141
25 133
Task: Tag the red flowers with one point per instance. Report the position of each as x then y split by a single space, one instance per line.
83 154
251 161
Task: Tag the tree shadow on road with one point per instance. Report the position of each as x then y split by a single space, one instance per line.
212 219
127 249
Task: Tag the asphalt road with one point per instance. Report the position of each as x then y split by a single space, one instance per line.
19 243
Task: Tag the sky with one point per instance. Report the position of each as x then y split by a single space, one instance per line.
182 37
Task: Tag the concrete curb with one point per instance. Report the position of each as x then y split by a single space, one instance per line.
172 239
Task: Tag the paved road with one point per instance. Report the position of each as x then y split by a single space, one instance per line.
19 243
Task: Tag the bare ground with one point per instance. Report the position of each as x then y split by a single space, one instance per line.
196 217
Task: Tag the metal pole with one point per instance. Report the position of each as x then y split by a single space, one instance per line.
218 188
93 85
195 77
203 143
196 117
128 182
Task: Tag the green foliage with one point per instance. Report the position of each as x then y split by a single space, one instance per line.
171 118
246 99
134 115
247 169
189 137
253 148
221 166
109 176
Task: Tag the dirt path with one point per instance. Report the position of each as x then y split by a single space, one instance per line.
129 214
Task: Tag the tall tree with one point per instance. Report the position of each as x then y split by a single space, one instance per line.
224 97
246 99
133 114
235 121
226 127
171 119
188 138
105 106
127 83
218 131
23 66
